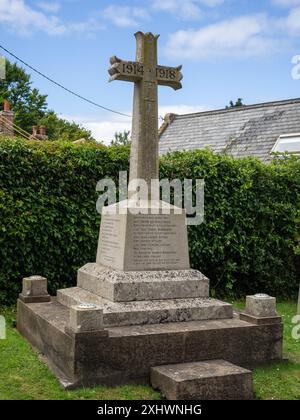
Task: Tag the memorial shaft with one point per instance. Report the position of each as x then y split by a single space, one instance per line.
146 75
144 147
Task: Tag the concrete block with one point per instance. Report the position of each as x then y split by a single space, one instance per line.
34 290
261 305
85 317
206 380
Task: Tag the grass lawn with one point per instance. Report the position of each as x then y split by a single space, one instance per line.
24 376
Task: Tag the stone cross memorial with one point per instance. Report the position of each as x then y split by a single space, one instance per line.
140 307
139 241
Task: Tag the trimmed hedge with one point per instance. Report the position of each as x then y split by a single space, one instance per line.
49 224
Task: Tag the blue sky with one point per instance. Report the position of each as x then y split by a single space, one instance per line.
228 49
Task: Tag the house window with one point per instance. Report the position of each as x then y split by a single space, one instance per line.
287 143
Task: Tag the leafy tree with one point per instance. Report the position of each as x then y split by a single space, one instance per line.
60 129
28 104
121 139
238 103
30 107
297 247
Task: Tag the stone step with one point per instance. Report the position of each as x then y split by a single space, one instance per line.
206 380
148 312
125 286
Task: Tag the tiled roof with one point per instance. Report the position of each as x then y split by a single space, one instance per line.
243 131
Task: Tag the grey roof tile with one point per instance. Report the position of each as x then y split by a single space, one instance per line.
249 130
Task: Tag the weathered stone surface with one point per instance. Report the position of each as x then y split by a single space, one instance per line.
260 320
207 380
144 241
148 312
261 305
34 290
127 353
125 286
43 325
86 317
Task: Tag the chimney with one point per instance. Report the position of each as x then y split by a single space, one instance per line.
6 120
6 105
38 133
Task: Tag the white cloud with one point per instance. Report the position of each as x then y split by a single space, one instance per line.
292 22
21 18
125 16
103 129
46 6
244 36
184 9
180 109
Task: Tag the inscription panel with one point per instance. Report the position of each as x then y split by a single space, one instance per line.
111 241
157 242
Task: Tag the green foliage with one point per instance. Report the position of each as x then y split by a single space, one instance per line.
49 224
58 128
297 235
27 103
121 139
246 243
237 103
30 107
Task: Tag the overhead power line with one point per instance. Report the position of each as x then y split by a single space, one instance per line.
63 87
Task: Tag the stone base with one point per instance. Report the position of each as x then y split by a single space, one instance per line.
208 380
125 286
126 354
260 320
34 299
148 312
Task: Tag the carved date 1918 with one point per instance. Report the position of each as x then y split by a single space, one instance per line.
137 69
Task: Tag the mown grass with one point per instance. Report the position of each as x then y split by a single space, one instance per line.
24 376
280 381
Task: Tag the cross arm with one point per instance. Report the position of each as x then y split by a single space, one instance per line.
169 76
131 71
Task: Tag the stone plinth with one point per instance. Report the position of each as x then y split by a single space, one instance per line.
126 354
260 309
147 312
261 305
152 236
34 290
126 286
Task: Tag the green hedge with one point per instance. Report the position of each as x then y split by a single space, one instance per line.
49 224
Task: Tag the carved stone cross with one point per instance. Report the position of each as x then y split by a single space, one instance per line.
146 75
